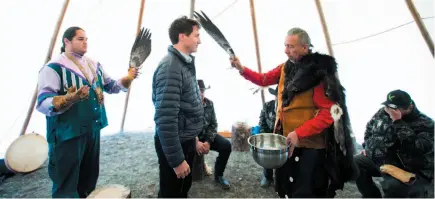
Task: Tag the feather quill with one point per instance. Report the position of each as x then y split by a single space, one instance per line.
141 48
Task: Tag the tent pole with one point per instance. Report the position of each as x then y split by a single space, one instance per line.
47 59
420 25
325 31
324 27
139 24
257 50
192 8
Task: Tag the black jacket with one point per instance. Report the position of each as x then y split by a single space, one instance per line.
406 143
268 117
178 109
210 123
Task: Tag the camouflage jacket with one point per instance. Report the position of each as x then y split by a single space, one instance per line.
209 131
406 143
267 117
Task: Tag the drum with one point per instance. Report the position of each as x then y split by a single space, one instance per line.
27 153
111 191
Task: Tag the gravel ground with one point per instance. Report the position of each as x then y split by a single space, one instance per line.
130 160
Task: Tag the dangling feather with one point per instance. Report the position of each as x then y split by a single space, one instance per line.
141 48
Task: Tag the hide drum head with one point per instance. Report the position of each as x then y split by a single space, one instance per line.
27 153
111 191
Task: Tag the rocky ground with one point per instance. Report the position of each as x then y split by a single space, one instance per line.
130 160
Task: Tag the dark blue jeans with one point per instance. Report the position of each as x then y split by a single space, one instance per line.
268 173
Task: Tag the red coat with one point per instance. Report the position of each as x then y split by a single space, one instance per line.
311 127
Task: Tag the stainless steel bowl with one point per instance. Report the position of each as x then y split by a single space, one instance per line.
269 150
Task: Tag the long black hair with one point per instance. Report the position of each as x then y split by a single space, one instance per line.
69 34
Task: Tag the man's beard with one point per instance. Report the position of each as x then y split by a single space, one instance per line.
293 60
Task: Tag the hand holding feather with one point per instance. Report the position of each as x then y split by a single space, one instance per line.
133 72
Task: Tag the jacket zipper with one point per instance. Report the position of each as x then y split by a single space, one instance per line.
400 160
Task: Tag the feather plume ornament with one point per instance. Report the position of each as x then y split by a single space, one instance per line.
336 113
214 32
258 89
141 49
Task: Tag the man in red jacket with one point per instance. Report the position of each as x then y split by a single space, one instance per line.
321 149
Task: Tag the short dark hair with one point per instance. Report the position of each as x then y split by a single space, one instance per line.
181 25
69 34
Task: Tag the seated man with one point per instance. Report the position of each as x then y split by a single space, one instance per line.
267 122
208 139
401 136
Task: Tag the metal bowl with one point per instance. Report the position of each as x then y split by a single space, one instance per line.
269 150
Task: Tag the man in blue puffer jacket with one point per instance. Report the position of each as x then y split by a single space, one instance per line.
178 109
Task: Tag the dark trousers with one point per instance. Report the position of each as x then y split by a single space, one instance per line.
74 165
170 185
303 175
268 173
223 147
392 187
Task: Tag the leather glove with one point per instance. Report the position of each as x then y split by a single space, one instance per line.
398 173
132 74
73 95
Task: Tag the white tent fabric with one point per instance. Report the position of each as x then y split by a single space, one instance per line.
369 68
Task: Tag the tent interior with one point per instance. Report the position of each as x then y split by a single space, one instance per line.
377 44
